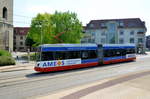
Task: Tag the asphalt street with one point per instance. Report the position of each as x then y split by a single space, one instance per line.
27 83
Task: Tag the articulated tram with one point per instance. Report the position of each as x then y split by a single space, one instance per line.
56 57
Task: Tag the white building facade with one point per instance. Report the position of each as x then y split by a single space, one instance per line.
6 25
116 31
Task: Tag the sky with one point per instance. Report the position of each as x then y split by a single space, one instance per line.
25 10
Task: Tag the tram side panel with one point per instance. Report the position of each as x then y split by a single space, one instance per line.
118 54
70 60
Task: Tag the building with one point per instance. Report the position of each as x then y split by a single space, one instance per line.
6 25
20 34
116 31
148 42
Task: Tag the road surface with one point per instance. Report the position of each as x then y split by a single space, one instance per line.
27 83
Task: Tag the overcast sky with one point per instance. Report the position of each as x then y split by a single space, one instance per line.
25 10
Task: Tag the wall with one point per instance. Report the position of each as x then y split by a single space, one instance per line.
6 25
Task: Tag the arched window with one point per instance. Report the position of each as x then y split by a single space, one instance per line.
5 13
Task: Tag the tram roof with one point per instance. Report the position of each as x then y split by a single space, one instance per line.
73 47
69 45
121 45
84 45
111 46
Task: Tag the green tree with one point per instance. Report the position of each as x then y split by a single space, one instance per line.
61 27
29 42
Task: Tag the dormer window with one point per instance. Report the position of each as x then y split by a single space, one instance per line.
5 13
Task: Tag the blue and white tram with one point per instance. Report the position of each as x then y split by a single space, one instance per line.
56 57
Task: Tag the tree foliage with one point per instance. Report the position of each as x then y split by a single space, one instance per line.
55 28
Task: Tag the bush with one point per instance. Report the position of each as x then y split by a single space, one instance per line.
33 56
6 58
4 53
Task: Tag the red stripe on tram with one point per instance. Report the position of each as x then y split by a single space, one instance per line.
48 69
118 60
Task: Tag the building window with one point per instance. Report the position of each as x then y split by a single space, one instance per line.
22 31
103 25
103 33
121 24
132 33
91 25
103 40
131 40
14 37
21 48
121 32
121 41
5 13
21 37
92 34
21 43
140 40
14 43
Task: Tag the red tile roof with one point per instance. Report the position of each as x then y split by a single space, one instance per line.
21 30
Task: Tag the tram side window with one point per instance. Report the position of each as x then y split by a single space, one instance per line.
123 51
60 55
112 52
118 52
92 54
47 56
108 53
84 55
73 55
130 50
89 54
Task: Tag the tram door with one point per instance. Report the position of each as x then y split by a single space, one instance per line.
100 53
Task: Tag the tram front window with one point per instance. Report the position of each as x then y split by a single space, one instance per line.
38 56
44 56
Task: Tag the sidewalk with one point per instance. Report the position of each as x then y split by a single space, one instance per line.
18 66
129 86
20 63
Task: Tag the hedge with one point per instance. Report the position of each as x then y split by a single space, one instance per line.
6 58
4 53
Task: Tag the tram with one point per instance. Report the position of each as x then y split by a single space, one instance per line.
57 57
